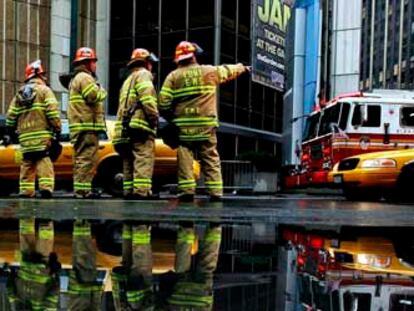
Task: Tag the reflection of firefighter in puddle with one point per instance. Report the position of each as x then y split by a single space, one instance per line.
132 282
194 287
35 284
85 292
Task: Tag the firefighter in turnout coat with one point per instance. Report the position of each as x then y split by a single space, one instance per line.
188 99
34 115
136 125
86 120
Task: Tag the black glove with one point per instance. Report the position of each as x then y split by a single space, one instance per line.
6 140
56 136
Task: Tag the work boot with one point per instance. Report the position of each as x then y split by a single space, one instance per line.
45 194
187 197
216 198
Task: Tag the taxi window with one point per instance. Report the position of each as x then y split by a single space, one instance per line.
407 116
373 116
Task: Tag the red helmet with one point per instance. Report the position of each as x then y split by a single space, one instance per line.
85 53
186 50
34 69
142 55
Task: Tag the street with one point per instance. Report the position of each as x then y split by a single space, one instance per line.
290 209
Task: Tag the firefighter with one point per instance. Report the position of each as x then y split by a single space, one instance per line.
194 288
137 121
84 290
34 115
132 282
35 284
188 99
86 120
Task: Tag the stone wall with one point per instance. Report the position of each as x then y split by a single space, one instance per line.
24 37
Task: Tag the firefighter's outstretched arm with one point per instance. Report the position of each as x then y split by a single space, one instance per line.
91 91
230 72
52 112
166 98
147 96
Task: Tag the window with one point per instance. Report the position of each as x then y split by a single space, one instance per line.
357 301
373 116
311 126
402 302
407 116
344 116
329 116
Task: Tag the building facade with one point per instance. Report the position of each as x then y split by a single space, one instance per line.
250 114
387 44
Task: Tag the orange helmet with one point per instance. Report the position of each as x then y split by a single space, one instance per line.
34 69
186 50
142 55
85 53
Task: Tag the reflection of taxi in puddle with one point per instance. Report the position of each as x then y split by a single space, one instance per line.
362 274
370 175
109 170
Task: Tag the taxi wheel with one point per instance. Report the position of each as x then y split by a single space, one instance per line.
110 177
403 189
355 194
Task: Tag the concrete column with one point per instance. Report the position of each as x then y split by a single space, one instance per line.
102 40
60 47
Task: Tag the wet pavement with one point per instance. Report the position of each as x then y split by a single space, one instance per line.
245 253
332 211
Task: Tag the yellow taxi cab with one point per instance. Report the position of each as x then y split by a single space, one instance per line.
387 174
108 176
371 254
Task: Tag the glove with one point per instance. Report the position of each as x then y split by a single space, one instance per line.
6 140
56 136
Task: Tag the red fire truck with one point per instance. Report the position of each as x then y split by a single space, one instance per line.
362 274
352 124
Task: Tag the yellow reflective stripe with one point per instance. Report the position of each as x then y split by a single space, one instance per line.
46 233
143 85
126 233
10 122
137 295
88 89
82 186
127 185
137 123
36 134
214 184
82 231
30 276
193 301
194 88
25 149
194 137
149 100
213 237
27 226
26 185
141 238
186 237
167 91
46 180
87 127
195 121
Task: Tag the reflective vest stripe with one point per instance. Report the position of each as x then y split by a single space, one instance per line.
88 89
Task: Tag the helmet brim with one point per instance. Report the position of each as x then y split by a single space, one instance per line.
183 57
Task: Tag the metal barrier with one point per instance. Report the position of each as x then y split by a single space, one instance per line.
237 176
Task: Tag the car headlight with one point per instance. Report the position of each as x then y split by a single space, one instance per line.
379 163
374 260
